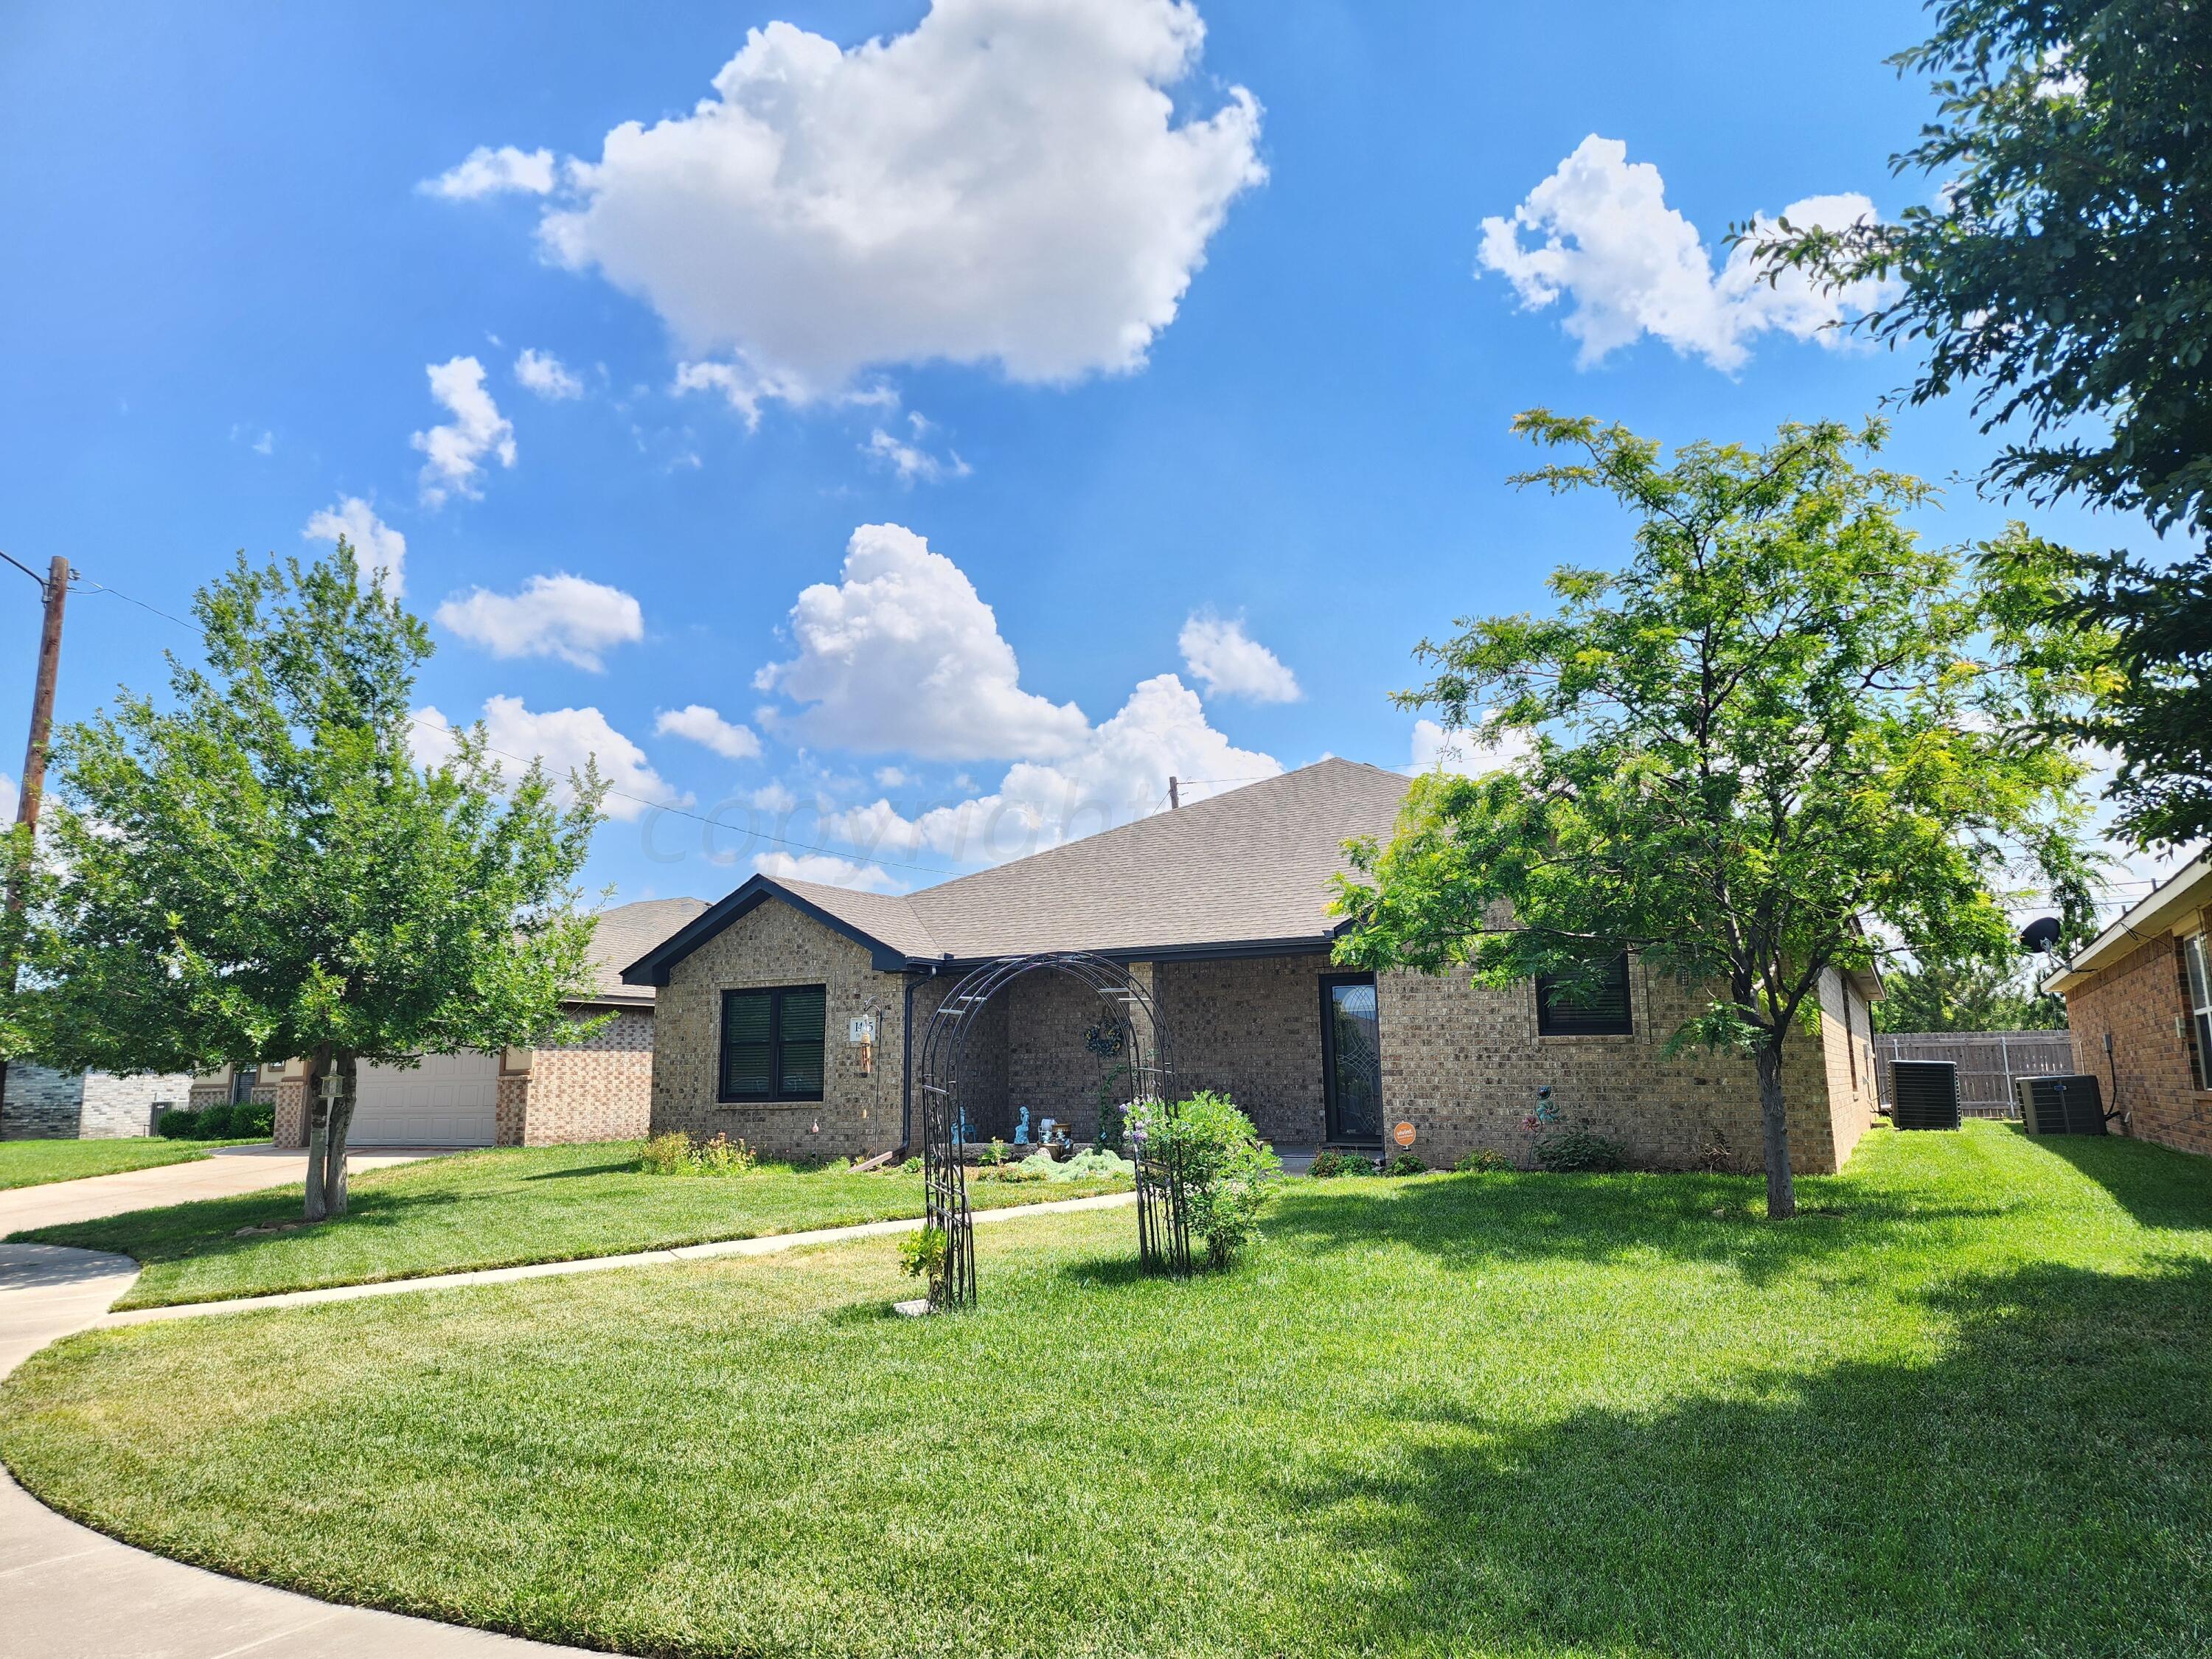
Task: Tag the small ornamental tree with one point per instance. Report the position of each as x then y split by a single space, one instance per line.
261 871
1786 737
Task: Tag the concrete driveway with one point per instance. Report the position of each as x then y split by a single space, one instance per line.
227 1172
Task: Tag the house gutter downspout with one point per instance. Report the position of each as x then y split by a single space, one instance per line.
906 1070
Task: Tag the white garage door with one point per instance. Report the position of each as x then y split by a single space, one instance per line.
447 1101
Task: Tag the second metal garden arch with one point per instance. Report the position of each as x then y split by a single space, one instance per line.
1162 1227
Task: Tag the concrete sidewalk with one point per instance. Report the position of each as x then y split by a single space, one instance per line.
771 1245
225 1173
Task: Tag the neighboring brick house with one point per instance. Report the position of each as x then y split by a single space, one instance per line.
1221 909
599 1088
43 1104
2139 1001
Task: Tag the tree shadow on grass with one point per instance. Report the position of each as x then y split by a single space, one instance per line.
624 1166
2042 1487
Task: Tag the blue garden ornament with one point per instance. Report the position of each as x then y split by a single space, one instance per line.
1022 1128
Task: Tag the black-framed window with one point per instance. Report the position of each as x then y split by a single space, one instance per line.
772 1043
1601 1011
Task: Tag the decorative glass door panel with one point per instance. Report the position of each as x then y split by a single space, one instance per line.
1351 1058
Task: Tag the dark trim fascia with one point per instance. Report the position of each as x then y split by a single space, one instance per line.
653 967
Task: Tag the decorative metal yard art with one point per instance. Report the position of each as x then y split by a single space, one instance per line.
1162 1227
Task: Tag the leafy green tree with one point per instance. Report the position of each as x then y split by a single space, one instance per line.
1786 737
1966 996
261 871
2063 274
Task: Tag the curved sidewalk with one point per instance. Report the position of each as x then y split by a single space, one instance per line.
72 1593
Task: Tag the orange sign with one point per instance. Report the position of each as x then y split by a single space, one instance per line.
1403 1135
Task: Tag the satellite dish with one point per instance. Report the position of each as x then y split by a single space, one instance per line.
2040 936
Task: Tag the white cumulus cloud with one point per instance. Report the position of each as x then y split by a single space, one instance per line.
1120 774
456 451
543 373
565 738
703 725
1230 663
909 457
488 172
378 548
901 656
1010 182
826 869
1598 233
1462 753
557 616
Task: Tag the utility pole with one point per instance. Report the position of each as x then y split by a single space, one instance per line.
42 699
1175 793
34 788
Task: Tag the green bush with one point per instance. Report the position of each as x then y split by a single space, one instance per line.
993 1154
1223 1166
1329 1165
922 1253
1095 1165
223 1122
673 1154
1579 1151
1486 1160
1405 1164
912 1166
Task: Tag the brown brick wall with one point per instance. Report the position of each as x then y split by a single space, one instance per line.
775 944
291 1113
1251 1029
2139 1001
1462 1064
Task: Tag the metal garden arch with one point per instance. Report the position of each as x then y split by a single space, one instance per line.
1162 1227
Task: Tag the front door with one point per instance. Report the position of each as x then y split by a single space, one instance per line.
1352 1059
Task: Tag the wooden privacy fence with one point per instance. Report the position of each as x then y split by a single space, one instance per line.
1988 1062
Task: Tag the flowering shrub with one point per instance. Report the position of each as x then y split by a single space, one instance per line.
1224 1165
673 1154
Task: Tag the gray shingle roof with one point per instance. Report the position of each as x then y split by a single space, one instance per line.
1249 866
629 931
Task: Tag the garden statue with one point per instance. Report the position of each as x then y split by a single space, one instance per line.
1022 1128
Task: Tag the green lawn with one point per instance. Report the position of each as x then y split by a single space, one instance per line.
489 1209
34 1163
1962 1406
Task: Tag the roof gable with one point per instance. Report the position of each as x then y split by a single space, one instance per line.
1245 869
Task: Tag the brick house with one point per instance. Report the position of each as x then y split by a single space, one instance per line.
598 1089
2139 1001
43 1104
1221 908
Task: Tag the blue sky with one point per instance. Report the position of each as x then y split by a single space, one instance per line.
1108 363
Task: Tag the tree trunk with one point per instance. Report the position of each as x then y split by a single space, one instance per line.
334 1172
318 1137
1781 1195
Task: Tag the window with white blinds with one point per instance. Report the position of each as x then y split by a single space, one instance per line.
2196 955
